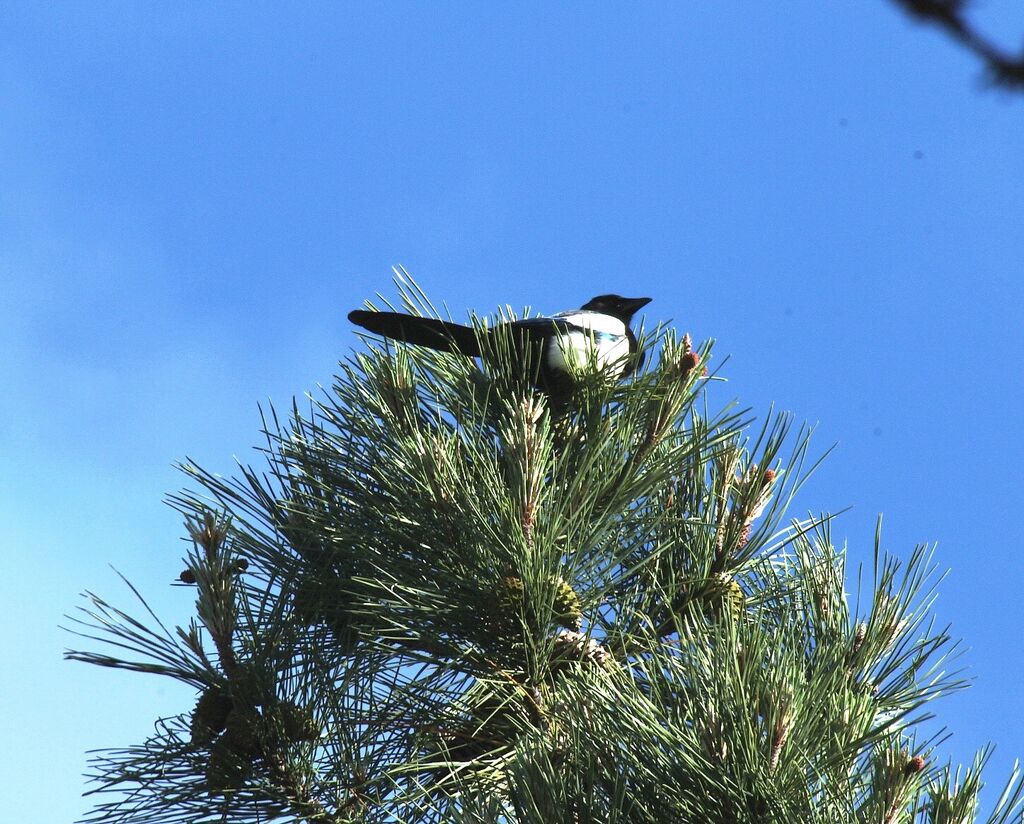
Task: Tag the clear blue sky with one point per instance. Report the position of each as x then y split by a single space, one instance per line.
193 196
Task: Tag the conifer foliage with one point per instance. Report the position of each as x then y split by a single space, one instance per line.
442 597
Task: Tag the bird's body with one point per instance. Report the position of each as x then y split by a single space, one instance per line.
586 335
559 347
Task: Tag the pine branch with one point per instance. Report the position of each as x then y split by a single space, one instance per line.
1005 68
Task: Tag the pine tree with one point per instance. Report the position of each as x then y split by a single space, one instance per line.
443 597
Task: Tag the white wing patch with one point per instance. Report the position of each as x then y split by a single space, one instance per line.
600 339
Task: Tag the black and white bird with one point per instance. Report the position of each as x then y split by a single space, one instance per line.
560 346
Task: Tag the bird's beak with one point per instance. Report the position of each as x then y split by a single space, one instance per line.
635 304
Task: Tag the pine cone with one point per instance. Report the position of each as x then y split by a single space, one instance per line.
226 770
510 593
244 731
568 611
298 723
307 603
501 619
725 597
210 715
574 647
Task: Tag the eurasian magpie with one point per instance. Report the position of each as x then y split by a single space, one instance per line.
558 347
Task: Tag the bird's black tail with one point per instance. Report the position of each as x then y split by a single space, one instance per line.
430 332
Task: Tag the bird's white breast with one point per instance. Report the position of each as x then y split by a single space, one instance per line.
600 339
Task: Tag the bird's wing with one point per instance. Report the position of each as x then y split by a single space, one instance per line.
539 329
597 324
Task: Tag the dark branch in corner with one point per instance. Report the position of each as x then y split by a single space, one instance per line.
1004 68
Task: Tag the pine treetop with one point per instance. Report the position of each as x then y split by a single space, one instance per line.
443 597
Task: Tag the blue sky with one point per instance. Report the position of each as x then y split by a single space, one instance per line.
193 196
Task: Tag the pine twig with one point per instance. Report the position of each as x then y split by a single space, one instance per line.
1004 68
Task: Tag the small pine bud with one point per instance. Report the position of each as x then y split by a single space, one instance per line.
689 361
914 766
210 715
528 520
859 634
209 532
533 409
687 344
187 576
769 476
779 736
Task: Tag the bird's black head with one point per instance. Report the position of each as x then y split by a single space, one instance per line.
616 306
